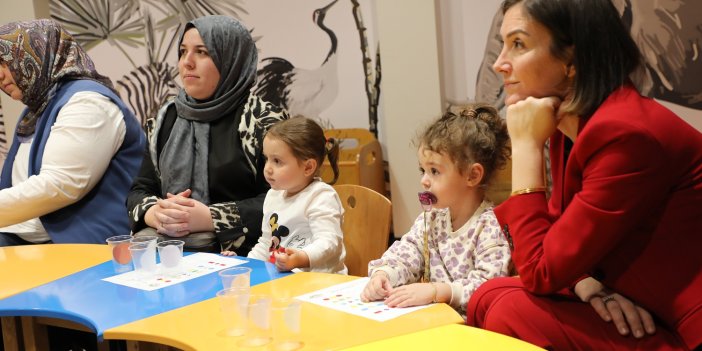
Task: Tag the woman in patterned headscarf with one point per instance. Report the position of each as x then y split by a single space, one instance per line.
204 181
52 189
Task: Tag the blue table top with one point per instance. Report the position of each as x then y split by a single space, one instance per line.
83 297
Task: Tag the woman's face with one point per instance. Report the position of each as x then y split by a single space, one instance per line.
197 70
8 84
526 64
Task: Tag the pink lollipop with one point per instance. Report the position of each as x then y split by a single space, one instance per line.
427 199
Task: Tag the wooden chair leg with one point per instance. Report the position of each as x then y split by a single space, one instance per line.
10 333
103 346
134 346
35 336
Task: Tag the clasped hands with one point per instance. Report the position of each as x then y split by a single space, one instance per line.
179 215
379 288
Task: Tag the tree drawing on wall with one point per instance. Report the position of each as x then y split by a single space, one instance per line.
93 21
373 74
130 23
669 36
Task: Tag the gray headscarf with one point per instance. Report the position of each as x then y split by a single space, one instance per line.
184 158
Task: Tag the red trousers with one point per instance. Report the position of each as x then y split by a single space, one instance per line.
504 306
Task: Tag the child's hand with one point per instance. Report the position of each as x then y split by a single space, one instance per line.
228 253
378 287
415 294
291 258
271 258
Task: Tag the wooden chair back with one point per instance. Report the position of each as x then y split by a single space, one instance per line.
366 226
500 185
360 159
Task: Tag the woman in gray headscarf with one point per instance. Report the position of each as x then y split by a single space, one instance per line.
201 179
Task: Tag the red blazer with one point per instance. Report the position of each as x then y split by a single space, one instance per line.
626 208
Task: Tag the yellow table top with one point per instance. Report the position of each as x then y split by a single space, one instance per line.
28 266
200 326
449 337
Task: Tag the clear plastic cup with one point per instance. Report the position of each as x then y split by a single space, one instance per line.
143 258
236 277
151 239
286 324
121 258
258 326
171 254
234 304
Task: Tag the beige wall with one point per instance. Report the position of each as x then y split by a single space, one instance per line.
410 94
464 27
691 116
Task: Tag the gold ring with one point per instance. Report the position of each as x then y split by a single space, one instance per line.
607 298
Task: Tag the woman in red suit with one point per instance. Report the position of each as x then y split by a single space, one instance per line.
612 260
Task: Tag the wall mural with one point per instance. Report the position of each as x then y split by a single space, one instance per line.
142 34
304 92
669 35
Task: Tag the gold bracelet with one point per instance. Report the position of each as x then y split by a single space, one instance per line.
433 300
536 189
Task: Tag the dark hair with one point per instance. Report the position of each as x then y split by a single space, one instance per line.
468 134
604 54
307 141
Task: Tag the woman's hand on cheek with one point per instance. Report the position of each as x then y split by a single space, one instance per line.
532 120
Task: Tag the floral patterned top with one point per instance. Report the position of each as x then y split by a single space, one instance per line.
464 258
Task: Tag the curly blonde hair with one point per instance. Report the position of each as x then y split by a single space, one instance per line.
469 134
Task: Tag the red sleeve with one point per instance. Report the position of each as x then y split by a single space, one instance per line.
619 169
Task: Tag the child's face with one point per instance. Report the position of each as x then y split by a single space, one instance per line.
441 176
283 171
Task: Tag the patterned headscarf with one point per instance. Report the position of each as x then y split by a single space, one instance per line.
40 54
184 158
